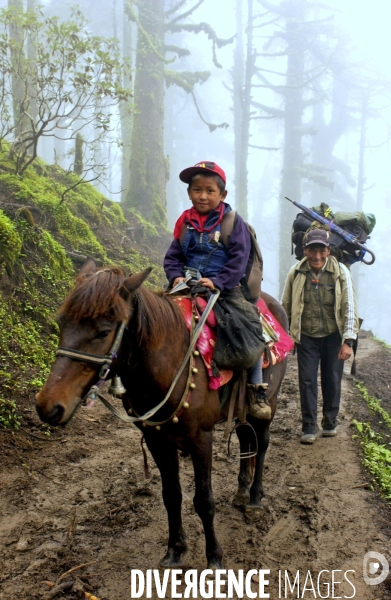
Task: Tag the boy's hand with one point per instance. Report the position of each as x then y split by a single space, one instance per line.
177 280
208 283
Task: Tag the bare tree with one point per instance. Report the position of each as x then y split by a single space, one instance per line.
149 169
70 81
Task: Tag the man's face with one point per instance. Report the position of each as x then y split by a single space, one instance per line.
205 194
316 255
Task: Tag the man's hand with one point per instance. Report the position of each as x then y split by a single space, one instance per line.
177 280
345 352
205 282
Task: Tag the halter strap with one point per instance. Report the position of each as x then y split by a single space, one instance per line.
84 356
95 359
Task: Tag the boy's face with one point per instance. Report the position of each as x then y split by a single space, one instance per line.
205 194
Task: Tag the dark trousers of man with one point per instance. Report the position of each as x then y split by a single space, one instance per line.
310 352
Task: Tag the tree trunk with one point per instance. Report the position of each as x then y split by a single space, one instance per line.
31 56
125 107
242 105
292 157
238 84
78 163
148 172
19 85
361 176
323 144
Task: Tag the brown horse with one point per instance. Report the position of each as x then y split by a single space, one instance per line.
153 347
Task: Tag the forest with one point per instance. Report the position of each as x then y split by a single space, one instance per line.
102 105
125 94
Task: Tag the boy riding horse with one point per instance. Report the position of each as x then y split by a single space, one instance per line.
202 250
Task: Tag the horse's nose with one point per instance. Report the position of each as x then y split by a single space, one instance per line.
54 416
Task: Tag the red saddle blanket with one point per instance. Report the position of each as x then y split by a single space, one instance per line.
206 342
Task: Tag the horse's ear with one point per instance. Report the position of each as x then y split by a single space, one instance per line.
134 281
89 266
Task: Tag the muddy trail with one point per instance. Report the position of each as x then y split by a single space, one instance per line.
79 497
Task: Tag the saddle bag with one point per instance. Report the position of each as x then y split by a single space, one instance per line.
240 342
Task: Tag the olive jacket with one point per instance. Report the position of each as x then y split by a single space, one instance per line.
345 306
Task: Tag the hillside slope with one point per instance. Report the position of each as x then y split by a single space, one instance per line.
44 239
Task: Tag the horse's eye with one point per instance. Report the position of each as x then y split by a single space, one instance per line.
103 334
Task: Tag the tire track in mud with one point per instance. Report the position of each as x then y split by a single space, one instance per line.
85 499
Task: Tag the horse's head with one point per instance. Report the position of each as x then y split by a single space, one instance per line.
89 320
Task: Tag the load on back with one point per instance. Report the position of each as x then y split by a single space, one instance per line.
349 232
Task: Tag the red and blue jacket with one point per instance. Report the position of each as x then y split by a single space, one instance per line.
203 249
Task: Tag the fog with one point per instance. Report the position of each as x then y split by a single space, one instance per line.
306 89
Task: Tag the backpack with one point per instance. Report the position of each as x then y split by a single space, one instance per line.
357 223
251 281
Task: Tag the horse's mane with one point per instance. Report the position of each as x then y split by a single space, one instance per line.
104 295
156 314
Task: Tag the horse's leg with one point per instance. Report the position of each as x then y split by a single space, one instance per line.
256 491
201 453
165 455
242 496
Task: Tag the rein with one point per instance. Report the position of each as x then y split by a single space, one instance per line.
144 418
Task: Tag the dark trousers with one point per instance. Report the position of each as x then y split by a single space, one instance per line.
310 352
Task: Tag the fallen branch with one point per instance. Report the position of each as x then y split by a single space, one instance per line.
37 437
75 569
58 589
72 526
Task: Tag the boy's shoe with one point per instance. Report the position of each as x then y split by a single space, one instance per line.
259 407
308 438
329 432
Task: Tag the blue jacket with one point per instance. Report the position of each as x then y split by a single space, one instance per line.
224 266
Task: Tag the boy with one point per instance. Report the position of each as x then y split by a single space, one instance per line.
201 249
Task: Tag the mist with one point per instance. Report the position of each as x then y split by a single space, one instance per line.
290 99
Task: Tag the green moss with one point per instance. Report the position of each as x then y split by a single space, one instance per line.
34 239
158 214
149 228
10 242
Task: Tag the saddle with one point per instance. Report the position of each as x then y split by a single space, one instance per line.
277 347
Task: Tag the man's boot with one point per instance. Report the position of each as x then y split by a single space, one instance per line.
259 407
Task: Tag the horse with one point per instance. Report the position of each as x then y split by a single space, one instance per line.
154 343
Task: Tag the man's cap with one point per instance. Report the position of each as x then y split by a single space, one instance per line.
205 168
317 236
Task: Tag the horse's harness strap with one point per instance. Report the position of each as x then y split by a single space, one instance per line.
84 356
107 359
147 416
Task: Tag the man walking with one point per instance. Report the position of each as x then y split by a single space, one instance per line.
320 302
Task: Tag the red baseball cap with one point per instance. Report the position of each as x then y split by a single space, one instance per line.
204 167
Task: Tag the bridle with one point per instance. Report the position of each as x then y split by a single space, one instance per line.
96 359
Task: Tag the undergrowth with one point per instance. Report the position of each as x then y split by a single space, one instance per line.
9 417
374 405
382 342
377 451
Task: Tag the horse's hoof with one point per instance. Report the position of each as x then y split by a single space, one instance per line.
241 499
214 564
171 559
255 508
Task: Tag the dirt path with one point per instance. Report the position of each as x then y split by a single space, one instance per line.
81 497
